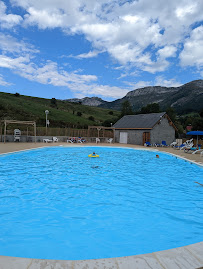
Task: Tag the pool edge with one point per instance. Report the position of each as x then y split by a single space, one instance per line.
187 257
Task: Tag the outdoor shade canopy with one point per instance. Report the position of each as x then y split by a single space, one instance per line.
195 133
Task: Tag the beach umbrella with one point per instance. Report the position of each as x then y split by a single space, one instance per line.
197 133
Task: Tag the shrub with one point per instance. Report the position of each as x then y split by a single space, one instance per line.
91 118
79 114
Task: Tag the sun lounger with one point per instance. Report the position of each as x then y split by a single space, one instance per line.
69 140
191 150
157 145
55 139
187 146
46 140
81 140
198 150
110 140
174 144
163 144
97 140
147 144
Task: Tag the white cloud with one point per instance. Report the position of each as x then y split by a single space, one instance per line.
139 35
45 18
182 12
167 51
158 66
50 73
192 54
99 90
161 81
124 30
8 20
9 44
90 54
138 85
3 82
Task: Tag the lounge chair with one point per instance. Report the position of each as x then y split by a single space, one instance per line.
179 146
147 144
174 144
55 139
157 145
191 150
97 140
46 140
163 143
110 140
81 140
198 150
69 140
187 146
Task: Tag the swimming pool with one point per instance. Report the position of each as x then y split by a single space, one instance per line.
56 203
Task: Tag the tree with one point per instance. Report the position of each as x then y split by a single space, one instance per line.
150 108
197 124
53 102
126 108
17 94
171 113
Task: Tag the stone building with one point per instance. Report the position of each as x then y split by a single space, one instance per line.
138 129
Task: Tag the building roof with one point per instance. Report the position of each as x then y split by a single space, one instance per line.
140 121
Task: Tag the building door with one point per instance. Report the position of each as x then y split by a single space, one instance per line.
146 137
123 138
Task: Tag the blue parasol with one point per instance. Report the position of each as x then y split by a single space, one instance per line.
195 133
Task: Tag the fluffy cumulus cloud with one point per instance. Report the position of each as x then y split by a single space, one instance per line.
141 36
8 20
125 29
192 54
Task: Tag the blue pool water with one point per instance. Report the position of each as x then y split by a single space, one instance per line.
56 203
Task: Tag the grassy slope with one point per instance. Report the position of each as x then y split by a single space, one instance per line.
33 108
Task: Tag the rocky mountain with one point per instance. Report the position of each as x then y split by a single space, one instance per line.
88 101
186 98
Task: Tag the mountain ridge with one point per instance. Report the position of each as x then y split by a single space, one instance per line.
185 98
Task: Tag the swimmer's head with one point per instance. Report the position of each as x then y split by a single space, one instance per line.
157 156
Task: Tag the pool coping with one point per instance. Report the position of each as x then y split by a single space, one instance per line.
187 257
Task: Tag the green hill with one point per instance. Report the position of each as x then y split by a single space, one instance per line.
61 113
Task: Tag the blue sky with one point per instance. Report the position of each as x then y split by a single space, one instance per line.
106 48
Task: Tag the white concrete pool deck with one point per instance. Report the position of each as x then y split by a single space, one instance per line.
187 257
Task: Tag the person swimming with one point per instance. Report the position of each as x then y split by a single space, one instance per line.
93 155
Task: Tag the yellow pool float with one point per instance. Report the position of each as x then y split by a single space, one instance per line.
93 156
